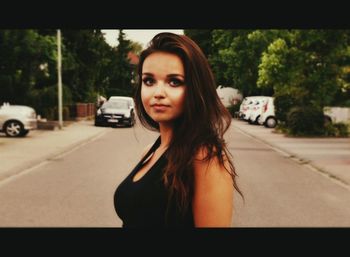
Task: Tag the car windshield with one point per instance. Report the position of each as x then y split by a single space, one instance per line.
120 104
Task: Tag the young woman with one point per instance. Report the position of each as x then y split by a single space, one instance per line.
186 178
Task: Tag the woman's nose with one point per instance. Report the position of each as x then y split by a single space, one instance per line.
159 90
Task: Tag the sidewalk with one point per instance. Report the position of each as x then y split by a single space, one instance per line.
19 154
331 156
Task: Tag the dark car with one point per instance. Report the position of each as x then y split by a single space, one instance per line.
116 112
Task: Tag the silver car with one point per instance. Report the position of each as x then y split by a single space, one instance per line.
17 120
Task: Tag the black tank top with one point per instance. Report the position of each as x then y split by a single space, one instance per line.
143 203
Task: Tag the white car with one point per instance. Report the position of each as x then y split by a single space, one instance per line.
257 109
247 106
17 120
337 114
268 117
243 108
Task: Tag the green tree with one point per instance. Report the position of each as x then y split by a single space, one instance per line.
237 57
202 37
25 57
85 61
122 75
308 61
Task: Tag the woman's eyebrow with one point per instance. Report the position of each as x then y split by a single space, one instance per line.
147 74
175 75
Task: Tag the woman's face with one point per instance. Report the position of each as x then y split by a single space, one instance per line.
163 86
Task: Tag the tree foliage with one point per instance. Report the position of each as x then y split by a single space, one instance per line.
121 81
237 56
203 38
308 61
25 60
307 68
28 66
310 66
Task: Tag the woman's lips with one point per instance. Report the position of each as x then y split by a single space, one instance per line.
160 107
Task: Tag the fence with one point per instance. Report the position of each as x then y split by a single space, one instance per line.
84 111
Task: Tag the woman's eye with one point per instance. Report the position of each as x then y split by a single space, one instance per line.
148 81
176 82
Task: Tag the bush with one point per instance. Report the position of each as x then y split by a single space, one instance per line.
305 121
283 103
44 100
52 113
48 113
233 109
337 129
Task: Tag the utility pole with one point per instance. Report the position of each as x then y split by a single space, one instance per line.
59 66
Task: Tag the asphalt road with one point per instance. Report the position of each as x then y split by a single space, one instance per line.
76 188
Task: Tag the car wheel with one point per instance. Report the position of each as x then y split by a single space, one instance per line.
14 128
256 122
271 122
132 121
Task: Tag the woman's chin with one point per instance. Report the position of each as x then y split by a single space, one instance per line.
160 120
164 120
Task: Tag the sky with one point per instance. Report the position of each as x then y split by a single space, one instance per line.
143 36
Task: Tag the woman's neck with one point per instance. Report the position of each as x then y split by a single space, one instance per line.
166 133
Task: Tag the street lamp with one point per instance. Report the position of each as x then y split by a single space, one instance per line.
59 66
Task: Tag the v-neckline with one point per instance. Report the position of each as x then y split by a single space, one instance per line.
142 162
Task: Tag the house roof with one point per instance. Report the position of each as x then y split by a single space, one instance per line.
133 58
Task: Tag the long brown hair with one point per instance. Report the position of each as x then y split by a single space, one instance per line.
203 123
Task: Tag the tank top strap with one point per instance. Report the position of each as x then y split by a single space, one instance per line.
151 150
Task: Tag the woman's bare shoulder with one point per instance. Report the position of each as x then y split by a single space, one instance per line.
204 160
203 154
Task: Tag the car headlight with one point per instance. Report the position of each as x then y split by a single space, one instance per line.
99 112
127 115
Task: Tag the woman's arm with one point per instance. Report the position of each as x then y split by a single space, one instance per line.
213 193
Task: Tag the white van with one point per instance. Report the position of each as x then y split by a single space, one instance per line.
257 109
247 106
247 101
268 117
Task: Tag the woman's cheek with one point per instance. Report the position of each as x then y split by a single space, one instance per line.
145 98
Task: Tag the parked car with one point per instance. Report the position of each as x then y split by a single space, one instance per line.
268 117
244 106
115 112
257 109
336 114
247 106
17 120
